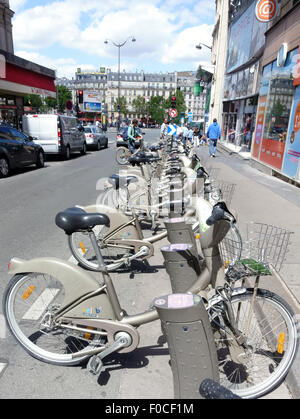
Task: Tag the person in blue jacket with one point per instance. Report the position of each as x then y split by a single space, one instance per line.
214 134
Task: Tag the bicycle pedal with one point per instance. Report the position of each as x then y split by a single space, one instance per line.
95 365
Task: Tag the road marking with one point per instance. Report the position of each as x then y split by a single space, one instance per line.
3 365
39 306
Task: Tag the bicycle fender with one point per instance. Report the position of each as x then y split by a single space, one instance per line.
117 219
76 281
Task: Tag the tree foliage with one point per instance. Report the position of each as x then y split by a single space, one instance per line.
63 95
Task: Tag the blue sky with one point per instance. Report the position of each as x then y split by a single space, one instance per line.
67 34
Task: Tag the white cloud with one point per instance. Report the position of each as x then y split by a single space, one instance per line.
166 32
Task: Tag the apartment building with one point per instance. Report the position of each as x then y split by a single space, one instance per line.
194 99
134 85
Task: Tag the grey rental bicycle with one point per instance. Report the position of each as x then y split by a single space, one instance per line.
60 314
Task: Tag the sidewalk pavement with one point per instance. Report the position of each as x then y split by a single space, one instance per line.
260 197
242 151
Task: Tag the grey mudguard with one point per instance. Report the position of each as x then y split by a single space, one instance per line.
117 219
77 282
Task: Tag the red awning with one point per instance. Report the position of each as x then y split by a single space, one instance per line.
29 78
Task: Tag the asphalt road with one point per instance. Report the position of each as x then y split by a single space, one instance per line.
29 202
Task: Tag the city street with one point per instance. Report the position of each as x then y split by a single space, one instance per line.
31 198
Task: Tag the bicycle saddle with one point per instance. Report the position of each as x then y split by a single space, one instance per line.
116 179
75 219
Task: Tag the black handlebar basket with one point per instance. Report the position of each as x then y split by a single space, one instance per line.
262 250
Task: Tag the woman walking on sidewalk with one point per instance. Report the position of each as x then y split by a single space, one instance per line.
214 134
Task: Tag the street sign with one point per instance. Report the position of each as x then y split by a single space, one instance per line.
190 116
69 105
172 129
173 113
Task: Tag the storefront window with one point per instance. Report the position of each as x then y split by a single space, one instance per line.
280 97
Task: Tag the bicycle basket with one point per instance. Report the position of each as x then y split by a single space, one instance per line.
263 249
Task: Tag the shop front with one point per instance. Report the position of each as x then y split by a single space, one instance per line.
19 77
241 83
277 135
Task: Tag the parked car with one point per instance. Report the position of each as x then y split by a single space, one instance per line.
17 150
121 142
57 134
94 137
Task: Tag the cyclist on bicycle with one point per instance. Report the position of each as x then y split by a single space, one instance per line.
132 135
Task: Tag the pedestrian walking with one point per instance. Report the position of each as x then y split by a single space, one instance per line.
185 134
214 134
190 135
164 129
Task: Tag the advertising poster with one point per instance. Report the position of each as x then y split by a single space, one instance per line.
259 126
91 101
292 148
297 71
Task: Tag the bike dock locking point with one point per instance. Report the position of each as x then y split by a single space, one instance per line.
187 329
181 265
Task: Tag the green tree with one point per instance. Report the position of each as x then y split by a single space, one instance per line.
50 102
140 106
123 106
63 95
33 100
157 109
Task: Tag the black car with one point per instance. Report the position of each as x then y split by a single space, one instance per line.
17 150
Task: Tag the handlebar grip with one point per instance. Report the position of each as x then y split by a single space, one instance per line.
210 389
217 214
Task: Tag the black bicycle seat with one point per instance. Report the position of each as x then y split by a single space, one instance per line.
75 219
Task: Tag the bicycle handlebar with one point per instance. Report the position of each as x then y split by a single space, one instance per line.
219 212
210 389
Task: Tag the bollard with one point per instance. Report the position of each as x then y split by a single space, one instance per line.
181 266
191 343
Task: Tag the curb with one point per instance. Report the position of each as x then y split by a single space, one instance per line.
229 151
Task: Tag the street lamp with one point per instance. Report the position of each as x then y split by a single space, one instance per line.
200 46
119 45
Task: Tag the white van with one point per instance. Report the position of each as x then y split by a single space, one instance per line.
57 134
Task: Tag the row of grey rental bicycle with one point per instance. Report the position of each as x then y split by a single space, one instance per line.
227 337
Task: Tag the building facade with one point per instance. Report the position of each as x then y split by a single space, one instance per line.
18 77
137 85
276 143
194 98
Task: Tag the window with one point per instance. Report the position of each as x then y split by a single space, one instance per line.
4 133
280 97
17 135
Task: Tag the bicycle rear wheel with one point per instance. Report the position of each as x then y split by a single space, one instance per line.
269 350
29 303
83 251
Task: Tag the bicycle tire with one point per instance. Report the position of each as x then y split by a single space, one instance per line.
265 359
24 304
82 250
122 155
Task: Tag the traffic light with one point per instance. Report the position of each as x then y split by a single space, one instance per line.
80 96
173 102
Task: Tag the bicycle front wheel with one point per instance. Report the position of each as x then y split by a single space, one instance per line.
259 365
29 303
122 155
